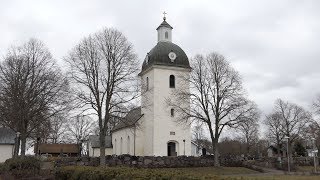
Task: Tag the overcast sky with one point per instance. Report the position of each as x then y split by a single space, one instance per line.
274 44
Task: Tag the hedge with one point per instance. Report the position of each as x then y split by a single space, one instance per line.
97 173
26 166
2 168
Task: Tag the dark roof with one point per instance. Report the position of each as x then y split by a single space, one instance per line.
131 118
7 136
159 55
164 24
95 141
59 148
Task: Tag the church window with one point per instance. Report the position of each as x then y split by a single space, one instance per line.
166 35
172 112
147 84
172 81
121 142
128 145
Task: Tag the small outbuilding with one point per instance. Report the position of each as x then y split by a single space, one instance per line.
7 141
94 146
196 150
71 150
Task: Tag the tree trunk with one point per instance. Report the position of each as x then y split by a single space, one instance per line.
290 152
214 141
16 146
278 151
23 144
216 153
102 147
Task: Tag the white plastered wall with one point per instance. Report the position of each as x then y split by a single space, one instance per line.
95 152
6 152
132 145
161 34
159 122
147 108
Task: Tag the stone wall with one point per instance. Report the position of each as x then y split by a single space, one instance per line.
149 161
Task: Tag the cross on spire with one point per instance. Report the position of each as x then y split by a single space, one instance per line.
164 15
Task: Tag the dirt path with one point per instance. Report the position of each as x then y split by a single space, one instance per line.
272 171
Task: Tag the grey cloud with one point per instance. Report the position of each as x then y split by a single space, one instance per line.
273 44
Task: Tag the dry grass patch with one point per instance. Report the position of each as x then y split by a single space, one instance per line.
307 169
275 177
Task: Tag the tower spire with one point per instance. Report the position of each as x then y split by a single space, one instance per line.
164 15
164 30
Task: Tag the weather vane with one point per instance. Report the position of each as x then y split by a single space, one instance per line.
164 15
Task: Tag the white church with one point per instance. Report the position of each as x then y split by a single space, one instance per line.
152 128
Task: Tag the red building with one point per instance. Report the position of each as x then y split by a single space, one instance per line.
71 150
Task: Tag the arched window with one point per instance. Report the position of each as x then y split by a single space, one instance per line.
128 145
172 81
166 35
172 112
121 146
147 86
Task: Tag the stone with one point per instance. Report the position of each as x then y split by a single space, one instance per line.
127 158
147 161
161 163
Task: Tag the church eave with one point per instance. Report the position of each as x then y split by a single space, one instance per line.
163 66
164 24
128 126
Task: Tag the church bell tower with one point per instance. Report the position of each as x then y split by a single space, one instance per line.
161 73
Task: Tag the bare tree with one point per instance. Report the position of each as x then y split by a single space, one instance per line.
103 66
216 95
58 129
294 119
312 135
79 128
32 89
316 105
274 132
313 130
249 130
198 132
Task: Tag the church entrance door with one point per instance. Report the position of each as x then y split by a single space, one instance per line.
172 149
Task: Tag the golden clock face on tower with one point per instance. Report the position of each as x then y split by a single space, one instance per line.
172 56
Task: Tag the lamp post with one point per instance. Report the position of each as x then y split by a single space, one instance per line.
37 146
314 154
17 144
288 157
184 147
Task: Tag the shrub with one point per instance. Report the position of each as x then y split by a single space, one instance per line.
2 168
26 166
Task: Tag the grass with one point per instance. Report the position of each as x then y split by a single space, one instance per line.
220 173
76 172
307 169
239 173
275 177
213 171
